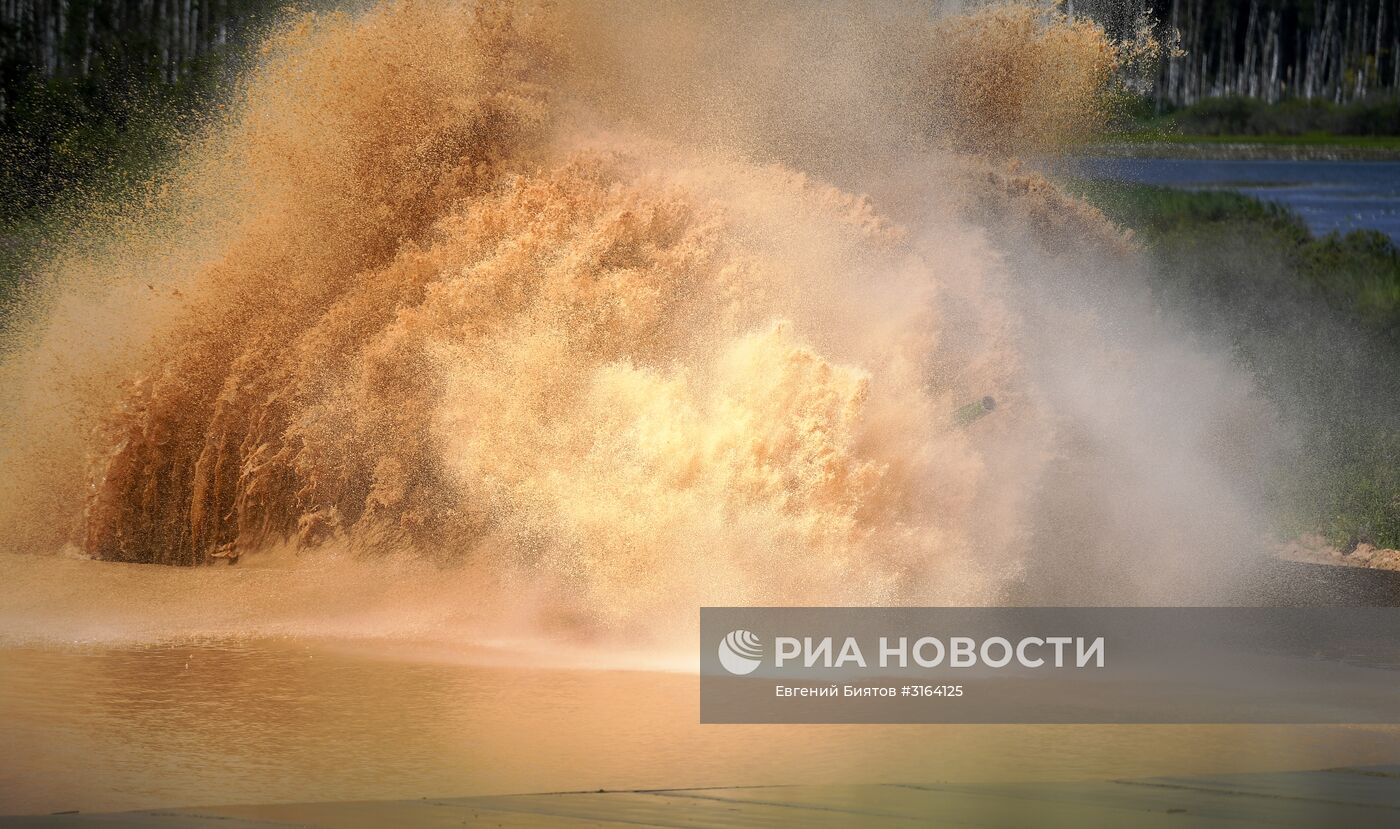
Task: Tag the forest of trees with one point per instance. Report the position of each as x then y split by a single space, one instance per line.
1338 50
1332 50
86 85
90 88
80 38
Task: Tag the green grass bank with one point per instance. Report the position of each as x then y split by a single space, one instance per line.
1315 319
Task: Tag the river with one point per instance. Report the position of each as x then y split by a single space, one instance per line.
104 727
1329 195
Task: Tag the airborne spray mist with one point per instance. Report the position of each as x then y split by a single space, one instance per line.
614 311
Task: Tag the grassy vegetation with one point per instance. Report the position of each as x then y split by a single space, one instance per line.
1316 320
20 241
67 141
55 152
1295 117
1313 139
1372 124
92 92
61 135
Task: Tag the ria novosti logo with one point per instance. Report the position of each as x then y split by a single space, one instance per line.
741 652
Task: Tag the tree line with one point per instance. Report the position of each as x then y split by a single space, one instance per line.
1337 50
113 42
1331 50
93 87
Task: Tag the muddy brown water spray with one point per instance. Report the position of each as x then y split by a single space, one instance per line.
564 297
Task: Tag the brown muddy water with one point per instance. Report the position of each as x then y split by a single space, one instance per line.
314 678
123 726
529 334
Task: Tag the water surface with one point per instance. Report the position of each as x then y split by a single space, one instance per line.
104 727
1329 195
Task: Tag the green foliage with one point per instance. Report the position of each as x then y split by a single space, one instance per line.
104 102
1375 115
1231 115
1315 320
1163 211
20 243
62 134
1360 490
65 142
1238 116
95 113
1359 271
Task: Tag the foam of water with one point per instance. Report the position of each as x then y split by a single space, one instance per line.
563 299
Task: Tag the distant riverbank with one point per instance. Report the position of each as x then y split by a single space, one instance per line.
1328 195
1314 318
1250 147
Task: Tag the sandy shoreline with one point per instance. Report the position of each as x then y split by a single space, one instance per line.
1312 549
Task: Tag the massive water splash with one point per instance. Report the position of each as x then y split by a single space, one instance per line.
564 296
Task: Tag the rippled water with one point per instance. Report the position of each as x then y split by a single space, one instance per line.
1329 195
232 721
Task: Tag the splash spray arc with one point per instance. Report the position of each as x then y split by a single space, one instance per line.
464 283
